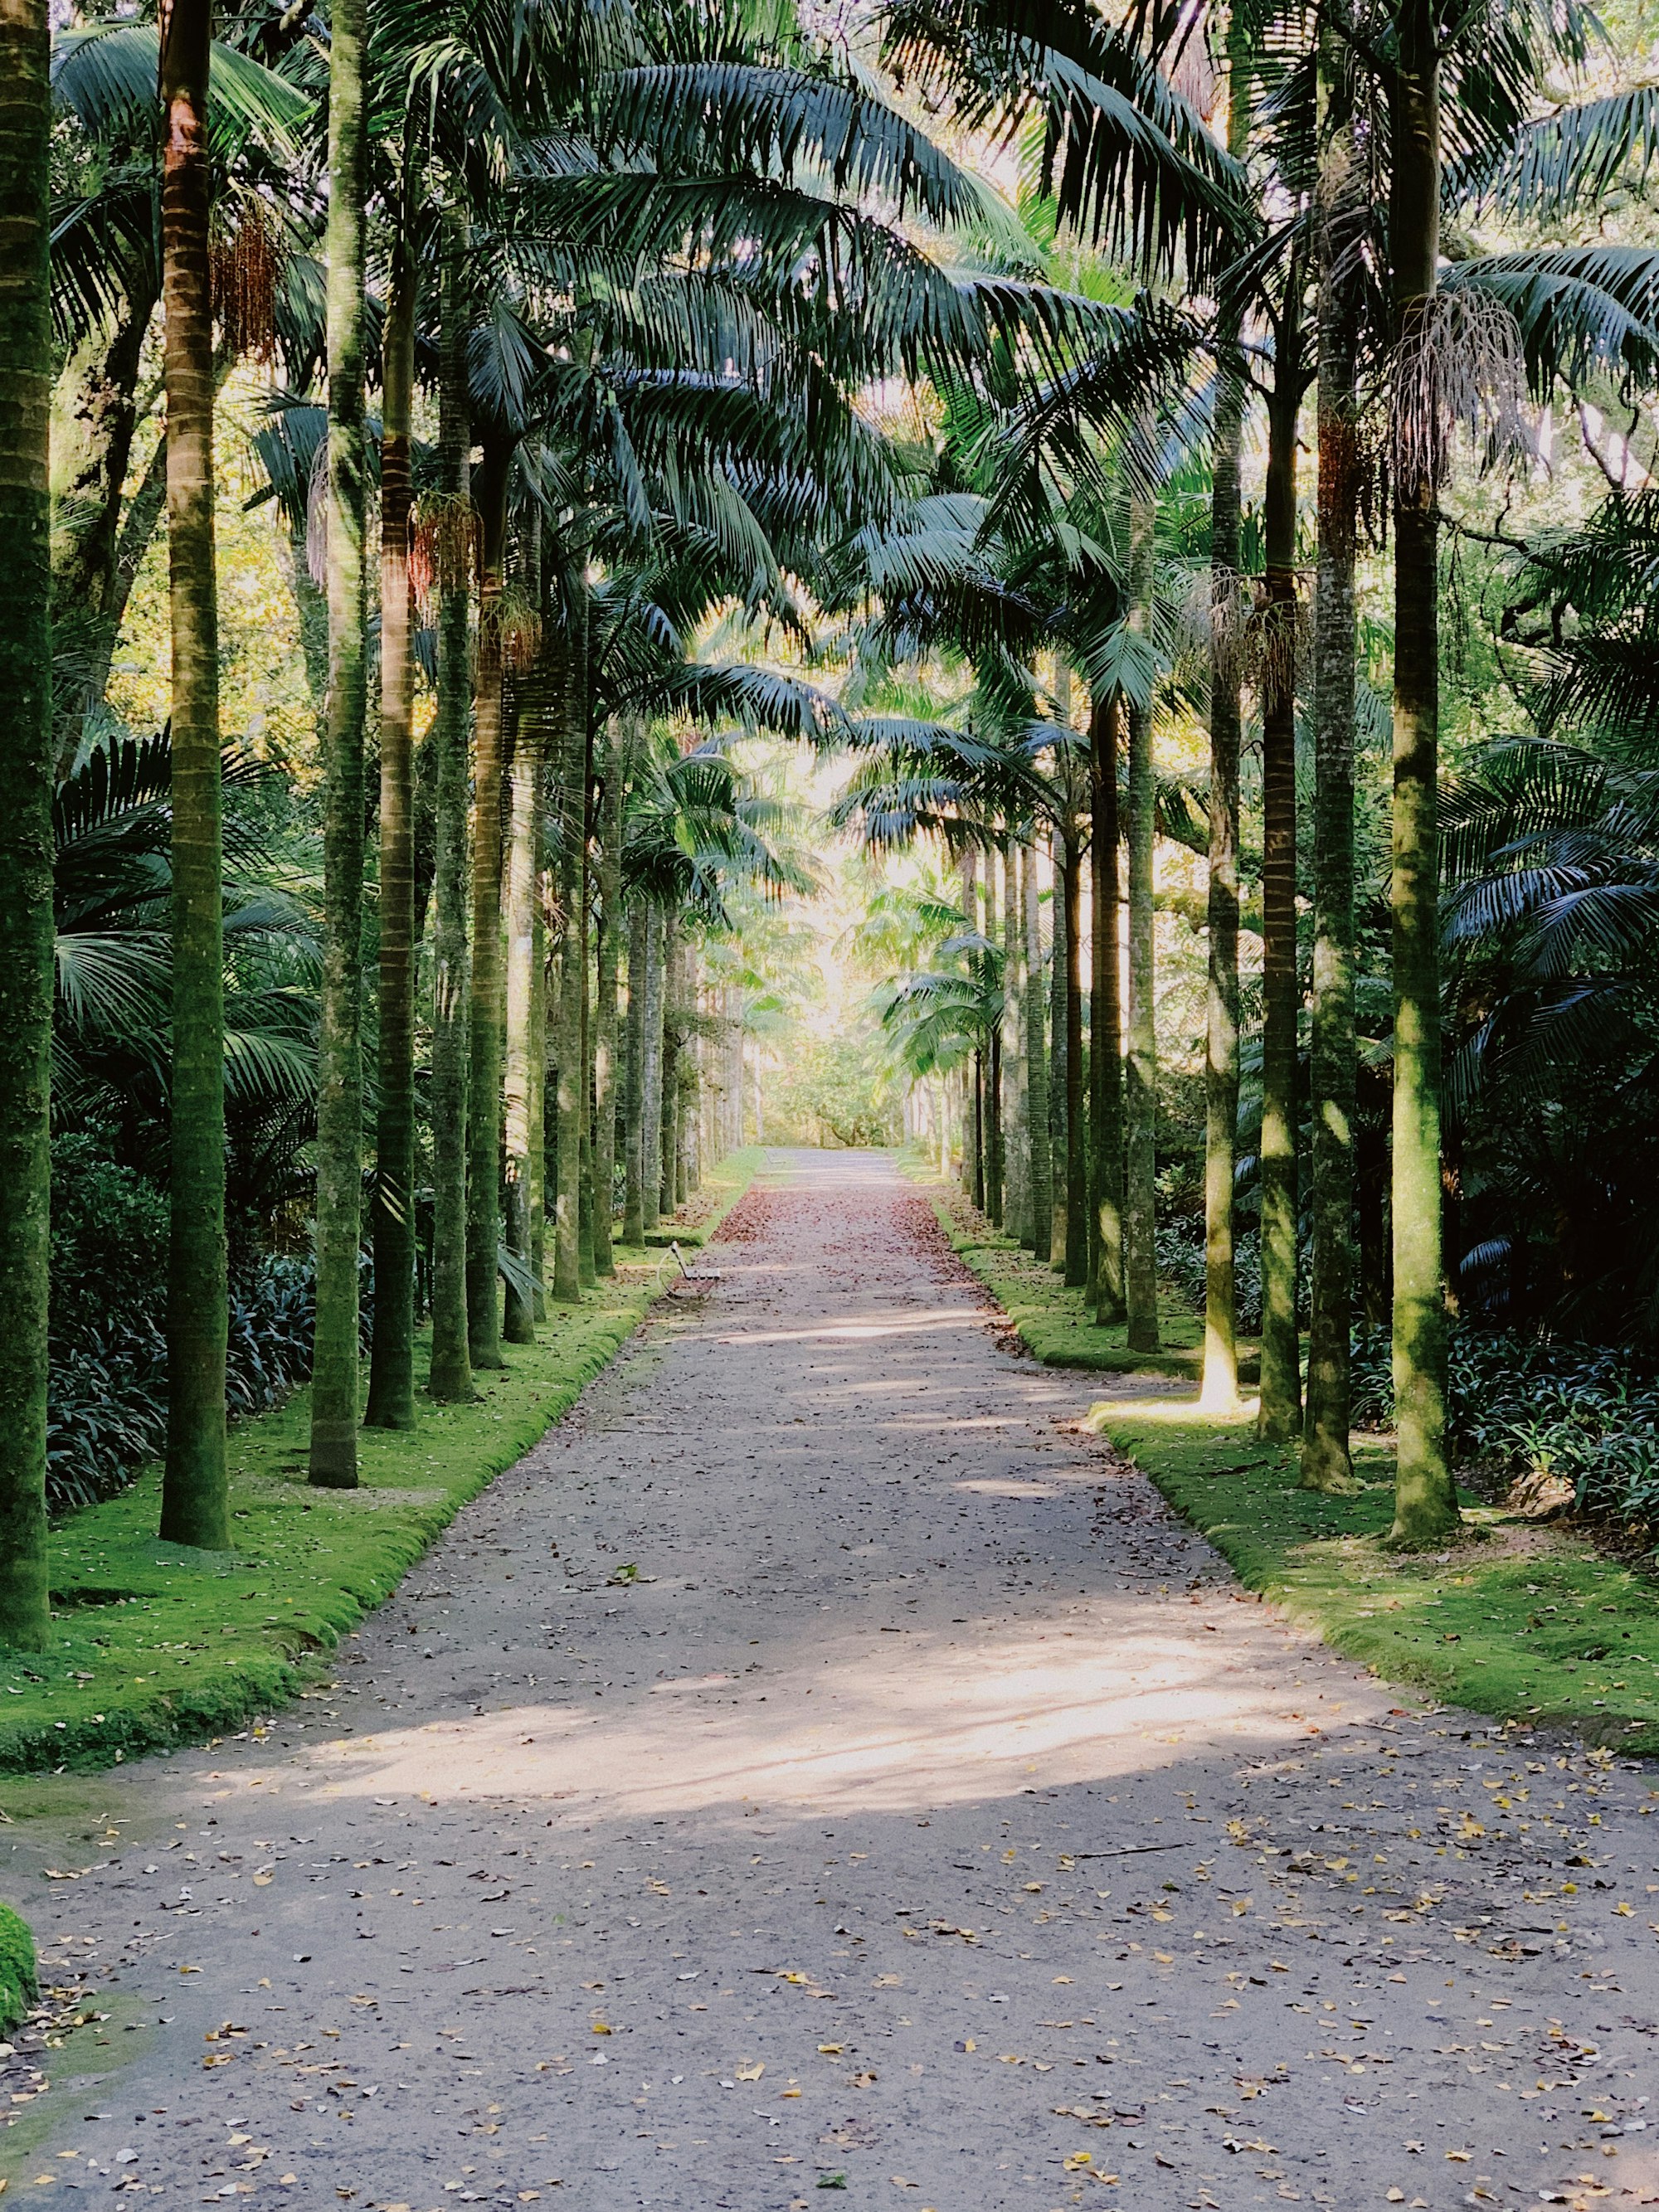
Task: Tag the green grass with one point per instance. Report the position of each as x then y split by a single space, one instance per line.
1052 1320
18 1982
152 1644
1527 1624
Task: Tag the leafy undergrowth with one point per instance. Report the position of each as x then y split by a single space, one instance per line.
154 1644
1530 1624
1052 1320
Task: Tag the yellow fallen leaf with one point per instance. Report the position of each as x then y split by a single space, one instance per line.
599 2028
1459 2157
1165 1958
830 2049
262 1880
792 1978
1243 1904
1077 2160
752 2072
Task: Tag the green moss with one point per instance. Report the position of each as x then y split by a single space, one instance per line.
152 1644
1052 1321
1524 1623
18 1980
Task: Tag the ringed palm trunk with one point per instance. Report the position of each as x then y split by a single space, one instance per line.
1016 1152
523 984
194 1503
391 1358
1077 1155
334 1374
1425 1498
451 1373
1140 1062
1280 1415
1325 1459
1058 1075
570 1103
26 362
668 1113
1106 1013
973 1163
1219 1390
995 1156
589 1273
618 767
483 1326
639 925
1039 1172
651 1074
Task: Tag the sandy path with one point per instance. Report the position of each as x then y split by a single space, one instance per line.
930 1811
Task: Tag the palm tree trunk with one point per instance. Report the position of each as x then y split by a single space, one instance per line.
451 1375
392 1356
995 1157
1140 1062
483 1228
334 1374
973 1165
26 362
587 1274
195 1501
1077 1148
1325 1460
1058 1077
618 767
1219 1390
571 1102
1106 1012
651 1074
638 927
523 988
1280 1415
1036 1058
1425 1498
668 1123
1016 1149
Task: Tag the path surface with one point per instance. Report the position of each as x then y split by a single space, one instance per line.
817 1761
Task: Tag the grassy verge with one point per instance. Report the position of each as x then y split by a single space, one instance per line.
1529 1624
152 1644
19 1985
1052 1320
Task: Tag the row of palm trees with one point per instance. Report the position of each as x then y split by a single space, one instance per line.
651 264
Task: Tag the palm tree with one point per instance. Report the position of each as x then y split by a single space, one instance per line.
488 1008
195 1496
26 912
1140 1061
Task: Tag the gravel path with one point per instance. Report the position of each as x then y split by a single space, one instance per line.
817 1766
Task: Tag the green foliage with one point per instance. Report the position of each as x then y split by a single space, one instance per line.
19 1981
836 1090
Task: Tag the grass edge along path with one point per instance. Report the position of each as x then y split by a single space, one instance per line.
1050 1319
1534 1626
153 1644
19 1981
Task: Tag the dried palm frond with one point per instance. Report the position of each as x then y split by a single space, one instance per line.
1459 366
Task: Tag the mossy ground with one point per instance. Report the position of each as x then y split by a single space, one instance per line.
1532 1625
1052 1320
152 1644
1537 1626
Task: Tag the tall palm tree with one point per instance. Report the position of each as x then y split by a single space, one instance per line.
488 1007
1140 1061
26 903
391 1362
195 1496
334 1385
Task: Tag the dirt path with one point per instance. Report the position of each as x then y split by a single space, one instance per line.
817 1766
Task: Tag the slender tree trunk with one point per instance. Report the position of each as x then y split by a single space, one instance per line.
618 767
1339 210
651 1074
669 1063
1219 1389
195 1501
451 1375
524 984
1059 1078
973 1165
1077 1150
1016 1148
484 1228
1140 1063
1426 1498
585 1268
1280 1415
1106 1013
138 526
568 1036
391 1359
25 841
995 1159
1036 1059
334 1374
633 1080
